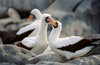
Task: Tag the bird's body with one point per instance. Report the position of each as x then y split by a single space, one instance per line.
36 45
70 47
29 30
39 42
34 26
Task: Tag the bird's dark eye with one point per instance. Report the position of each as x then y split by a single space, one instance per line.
46 19
33 15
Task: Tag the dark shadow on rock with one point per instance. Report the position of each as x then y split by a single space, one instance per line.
7 35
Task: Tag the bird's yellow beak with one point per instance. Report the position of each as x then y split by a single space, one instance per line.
30 17
52 21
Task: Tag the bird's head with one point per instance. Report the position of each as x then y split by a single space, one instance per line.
53 22
46 17
35 13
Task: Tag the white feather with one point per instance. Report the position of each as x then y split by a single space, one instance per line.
63 42
35 25
38 43
56 42
29 42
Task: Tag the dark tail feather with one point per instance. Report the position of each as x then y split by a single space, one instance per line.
96 42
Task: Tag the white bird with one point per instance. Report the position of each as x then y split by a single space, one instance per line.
69 47
38 43
35 13
29 30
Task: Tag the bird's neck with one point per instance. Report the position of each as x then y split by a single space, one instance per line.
54 35
38 16
42 34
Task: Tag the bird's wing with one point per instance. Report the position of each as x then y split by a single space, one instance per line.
27 28
63 42
29 42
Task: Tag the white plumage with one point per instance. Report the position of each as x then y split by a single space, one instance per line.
38 43
29 42
70 41
61 45
35 25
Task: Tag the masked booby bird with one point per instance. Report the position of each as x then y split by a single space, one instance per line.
29 30
38 43
69 47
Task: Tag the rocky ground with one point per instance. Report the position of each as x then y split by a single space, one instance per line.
79 17
13 55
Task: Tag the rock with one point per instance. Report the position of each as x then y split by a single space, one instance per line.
7 35
14 54
45 57
95 23
89 7
27 53
8 21
12 26
64 12
92 36
14 15
29 64
90 60
89 12
69 16
3 11
16 25
60 8
9 31
95 51
52 63
5 21
76 28
84 11
26 5
1 41
7 63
